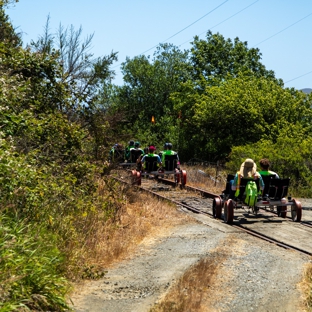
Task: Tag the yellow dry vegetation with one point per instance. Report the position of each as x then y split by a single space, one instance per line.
306 287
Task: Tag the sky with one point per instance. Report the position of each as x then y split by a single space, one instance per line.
281 29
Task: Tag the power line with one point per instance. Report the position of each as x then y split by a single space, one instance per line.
187 26
227 20
223 21
282 30
199 20
279 33
298 77
182 29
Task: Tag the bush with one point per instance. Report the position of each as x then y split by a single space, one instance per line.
30 268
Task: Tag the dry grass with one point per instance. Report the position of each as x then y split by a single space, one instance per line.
140 217
191 290
195 291
206 178
306 287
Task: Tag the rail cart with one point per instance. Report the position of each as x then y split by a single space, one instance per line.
132 163
274 198
170 168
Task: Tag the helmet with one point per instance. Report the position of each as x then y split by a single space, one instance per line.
137 144
169 146
131 143
152 148
166 146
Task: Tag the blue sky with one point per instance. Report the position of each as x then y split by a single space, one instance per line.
281 29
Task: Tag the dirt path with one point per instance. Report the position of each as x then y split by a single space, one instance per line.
247 275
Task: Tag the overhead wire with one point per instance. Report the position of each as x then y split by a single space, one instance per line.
298 77
282 30
222 21
184 28
227 20
187 26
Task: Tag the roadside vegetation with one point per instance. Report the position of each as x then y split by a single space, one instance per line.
305 285
61 215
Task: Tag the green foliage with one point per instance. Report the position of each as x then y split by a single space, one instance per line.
30 265
216 58
147 89
30 82
8 34
50 196
239 111
59 115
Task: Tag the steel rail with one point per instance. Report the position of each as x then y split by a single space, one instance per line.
211 195
271 240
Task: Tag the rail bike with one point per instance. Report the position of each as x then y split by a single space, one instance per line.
151 169
274 198
132 162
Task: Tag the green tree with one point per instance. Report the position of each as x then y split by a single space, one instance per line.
84 73
85 76
239 111
8 34
147 90
216 58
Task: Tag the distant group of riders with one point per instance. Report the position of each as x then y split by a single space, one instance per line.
133 153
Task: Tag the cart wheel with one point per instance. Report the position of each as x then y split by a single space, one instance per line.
217 207
139 178
296 210
177 177
183 177
255 210
228 211
133 176
281 211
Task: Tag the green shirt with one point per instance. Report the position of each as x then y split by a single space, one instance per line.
269 172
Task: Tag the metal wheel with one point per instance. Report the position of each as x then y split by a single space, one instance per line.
133 176
138 177
255 210
278 209
217 207
282 211
296 211
183 177
228 211
177 177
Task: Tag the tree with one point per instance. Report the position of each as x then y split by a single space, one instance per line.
84 73
8 34
239 111
147 90
219 58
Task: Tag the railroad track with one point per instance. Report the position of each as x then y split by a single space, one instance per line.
282 232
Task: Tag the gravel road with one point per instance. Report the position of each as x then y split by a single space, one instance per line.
252 275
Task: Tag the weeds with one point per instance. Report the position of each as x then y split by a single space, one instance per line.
193 290
30 268
307 286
